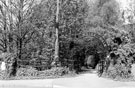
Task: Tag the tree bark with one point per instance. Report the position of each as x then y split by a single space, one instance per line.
56 55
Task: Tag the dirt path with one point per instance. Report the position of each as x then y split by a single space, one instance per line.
91 81
88 80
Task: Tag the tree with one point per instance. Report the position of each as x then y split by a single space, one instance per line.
72 18
105 10
16 27
128 17
56 54
5 27
109 12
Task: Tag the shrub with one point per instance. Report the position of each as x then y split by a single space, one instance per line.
26 72
121 66
9 59
30 72
56 71
118 71
3 75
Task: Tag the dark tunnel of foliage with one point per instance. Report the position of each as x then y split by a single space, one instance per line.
73 53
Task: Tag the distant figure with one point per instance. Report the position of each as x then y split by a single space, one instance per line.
92 61
89 61
3 66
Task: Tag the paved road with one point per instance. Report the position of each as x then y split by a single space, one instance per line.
87 80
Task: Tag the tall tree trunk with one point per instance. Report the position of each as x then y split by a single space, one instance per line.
10 36
19 39
20 22
5 30
56 55
20 48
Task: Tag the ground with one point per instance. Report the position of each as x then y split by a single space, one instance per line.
87 80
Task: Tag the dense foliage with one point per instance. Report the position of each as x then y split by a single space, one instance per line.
27 36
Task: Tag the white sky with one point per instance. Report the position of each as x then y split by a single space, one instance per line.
128 6
125 3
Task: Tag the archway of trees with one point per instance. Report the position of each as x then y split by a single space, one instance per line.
74 53
101 49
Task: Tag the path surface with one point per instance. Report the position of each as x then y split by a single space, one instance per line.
88 80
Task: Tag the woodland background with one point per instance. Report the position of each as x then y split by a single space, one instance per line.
27 34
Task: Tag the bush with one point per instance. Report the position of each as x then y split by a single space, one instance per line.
56 71
121 62
118 72
3 75
30 72
9 59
